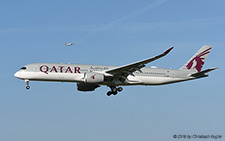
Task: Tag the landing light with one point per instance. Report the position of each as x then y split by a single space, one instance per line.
154 67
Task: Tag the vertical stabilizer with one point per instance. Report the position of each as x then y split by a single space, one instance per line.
197 60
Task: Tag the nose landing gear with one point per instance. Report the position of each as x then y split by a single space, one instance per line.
27 82
114 90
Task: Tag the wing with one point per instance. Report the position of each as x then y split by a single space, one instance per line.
130 68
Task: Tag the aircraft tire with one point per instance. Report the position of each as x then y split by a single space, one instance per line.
115 93
119 89
114 90
109 93
27 87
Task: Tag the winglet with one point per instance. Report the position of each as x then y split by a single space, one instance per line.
168 50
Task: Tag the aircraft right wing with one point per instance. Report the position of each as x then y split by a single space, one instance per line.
130 68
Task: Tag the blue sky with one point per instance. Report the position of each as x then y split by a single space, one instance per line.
110 33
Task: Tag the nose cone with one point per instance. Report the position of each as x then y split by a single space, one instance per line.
17 74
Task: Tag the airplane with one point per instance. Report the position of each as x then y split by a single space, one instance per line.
69 44
90 77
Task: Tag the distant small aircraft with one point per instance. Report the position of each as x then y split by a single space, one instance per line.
69 44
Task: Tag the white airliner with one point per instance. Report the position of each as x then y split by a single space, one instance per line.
90 77
69 44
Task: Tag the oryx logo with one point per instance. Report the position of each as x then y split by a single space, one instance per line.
199 60
93 77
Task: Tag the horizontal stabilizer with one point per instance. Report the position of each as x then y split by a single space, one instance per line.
202 73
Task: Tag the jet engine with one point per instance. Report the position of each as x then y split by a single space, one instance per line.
93 78
86 87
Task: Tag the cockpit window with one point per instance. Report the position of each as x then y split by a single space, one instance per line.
23 68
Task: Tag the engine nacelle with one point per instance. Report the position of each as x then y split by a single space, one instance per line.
93 78
86 87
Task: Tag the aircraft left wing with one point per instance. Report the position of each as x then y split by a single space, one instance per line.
130 68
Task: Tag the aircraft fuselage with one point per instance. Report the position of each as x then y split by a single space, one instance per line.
75 73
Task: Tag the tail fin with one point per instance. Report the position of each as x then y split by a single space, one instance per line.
197 60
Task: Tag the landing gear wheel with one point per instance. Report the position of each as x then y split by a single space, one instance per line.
27 82
119 89
27 87
115 93
109 93
114 90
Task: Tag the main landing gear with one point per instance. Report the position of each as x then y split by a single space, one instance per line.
27 82
114 90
